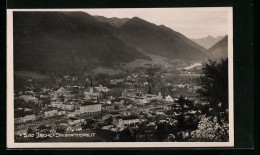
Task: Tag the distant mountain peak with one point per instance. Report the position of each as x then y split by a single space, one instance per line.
220 49
137 20
63 41
114 21
163 26
208 41
210 37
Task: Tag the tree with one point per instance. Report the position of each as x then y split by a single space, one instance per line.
214 84
30 131
149 90
185 102
127 135
161 132
109 121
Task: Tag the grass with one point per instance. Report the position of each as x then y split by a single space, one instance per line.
103 70
31 74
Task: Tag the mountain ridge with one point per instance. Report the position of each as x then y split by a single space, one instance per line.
208 41
66 40
160 40
61 41
220 49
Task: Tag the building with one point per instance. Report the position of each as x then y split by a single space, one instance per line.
182 85
89 108
42 95
75 121
100 88
20 132
51 113
91 93
116 81
129 93
57 104
61 113
25 119
68 106
73 128
29 98
107 108
61 92
122 121
169 98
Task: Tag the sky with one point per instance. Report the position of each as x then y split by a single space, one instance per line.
192 22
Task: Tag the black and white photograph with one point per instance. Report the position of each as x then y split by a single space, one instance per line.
129 77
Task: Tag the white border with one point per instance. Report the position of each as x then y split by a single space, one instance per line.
10 99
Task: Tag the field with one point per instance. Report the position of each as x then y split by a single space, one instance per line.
142 63
103 70
31 74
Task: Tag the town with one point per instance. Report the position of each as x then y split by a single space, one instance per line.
135 105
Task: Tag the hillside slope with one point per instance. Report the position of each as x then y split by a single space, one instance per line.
160 40
220 49
208 41
61 41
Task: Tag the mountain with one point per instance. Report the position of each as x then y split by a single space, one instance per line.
159 40
62 41
220 49
208 41
112 21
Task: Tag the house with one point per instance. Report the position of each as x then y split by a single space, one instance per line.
129 92
25 118
75 121
61 113
29 117
74 78
89 108
73 128
51 113
22 131
100 88
129 83
108 127
142 100
45 89
68 106
151 96
67 77
159 113
129 106
151 124
126 113
107 108
127 120
108 102
196 87
128 78
145 84
57 104
61 92
76 128
135 75
42 95
182 85
116 81
27 110
29 98
169 98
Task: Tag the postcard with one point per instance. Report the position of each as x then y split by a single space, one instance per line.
120 78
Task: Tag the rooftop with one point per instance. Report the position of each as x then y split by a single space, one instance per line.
89 103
